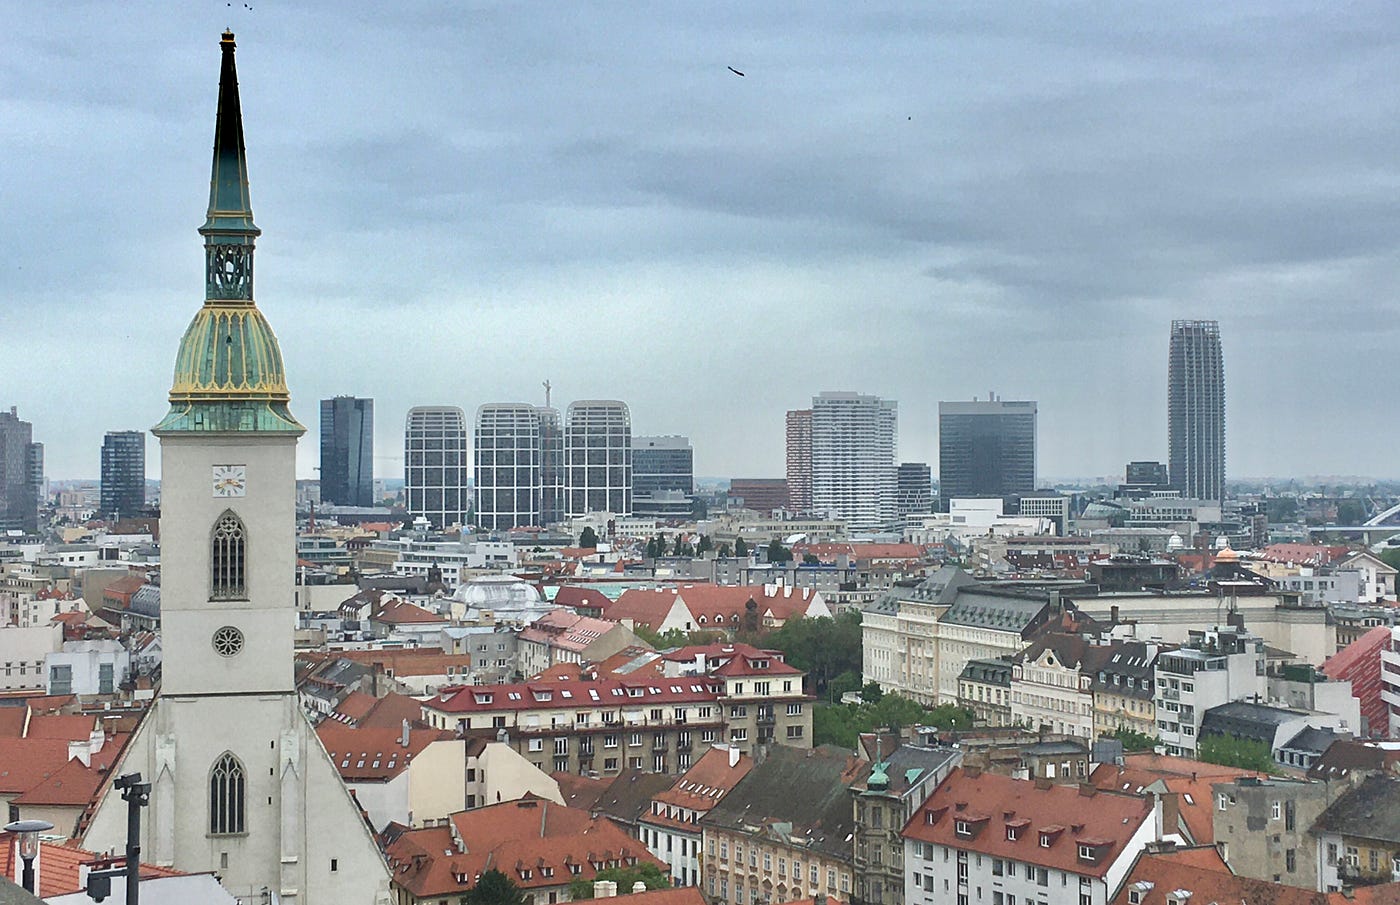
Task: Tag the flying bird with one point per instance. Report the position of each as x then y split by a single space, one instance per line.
735 71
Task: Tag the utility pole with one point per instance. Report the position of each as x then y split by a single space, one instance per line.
137 795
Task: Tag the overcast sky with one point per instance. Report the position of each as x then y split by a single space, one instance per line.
922 201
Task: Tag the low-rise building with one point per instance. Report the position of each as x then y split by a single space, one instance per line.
1216 667
1122 683
985 688
993 839
671 828
1049 688
1262 826
563 636
884 801
761 695
784 831
539 845
1358 836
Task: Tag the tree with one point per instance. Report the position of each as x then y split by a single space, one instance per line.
872 692
703 545
1136 741
1244 753
495 888
777 552
1350 512
723 552
847 681
660 545
1391 557
809 560
651 549
653 876
741 548
588 540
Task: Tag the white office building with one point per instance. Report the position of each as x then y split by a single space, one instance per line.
507 465
854 471
598 457
435 464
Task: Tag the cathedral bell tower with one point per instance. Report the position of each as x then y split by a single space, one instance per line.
240 785
228 460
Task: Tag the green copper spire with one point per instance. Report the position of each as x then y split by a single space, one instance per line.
228 230
228 372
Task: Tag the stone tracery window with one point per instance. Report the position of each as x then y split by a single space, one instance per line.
228 559
227 784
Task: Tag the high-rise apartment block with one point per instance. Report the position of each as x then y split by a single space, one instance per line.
762 495
435 464
986 449
1196 410
853 459
123 492
347 451
19 489
913 489
799 461
508 452
598 457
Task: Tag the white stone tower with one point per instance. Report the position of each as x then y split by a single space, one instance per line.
240 784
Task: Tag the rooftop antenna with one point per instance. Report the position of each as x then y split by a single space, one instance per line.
547 388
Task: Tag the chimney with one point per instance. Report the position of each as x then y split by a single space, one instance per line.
1043 783
600 889
733 756
972 772
638 886
403 734
1088 789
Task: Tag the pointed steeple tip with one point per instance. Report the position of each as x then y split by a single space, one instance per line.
227 40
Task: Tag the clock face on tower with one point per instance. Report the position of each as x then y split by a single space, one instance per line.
230 480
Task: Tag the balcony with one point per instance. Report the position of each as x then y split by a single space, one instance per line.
684 746
766 716
1170 694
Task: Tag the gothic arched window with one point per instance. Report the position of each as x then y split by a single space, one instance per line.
227 786
228 559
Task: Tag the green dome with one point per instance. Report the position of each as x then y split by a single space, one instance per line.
229 374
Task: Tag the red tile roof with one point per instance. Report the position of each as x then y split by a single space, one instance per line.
70 727
12 720
827 553
355 707
701 787
1316 554
680 895
401 612
1155 877
390 711
641 692
713 606
987 803
532 841
1190 779
582 598
374 755
735 659
566 629
410 661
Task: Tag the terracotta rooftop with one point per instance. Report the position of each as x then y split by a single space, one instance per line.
374 755
537 843
976 811
553 695
1190 779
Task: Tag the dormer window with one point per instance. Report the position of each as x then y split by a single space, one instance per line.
1011 834
962 828
1086 853
1046 839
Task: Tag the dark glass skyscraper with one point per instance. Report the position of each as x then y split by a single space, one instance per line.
914 489
986 449
347 451
19 489
123 492
1196 410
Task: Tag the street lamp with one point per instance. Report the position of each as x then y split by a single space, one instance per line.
28 832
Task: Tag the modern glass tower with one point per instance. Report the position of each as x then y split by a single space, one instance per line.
123 493
598 457
435 464
986 449
507 458
1196 410
347 451
19 489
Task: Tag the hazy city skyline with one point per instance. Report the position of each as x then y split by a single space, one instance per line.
921 204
